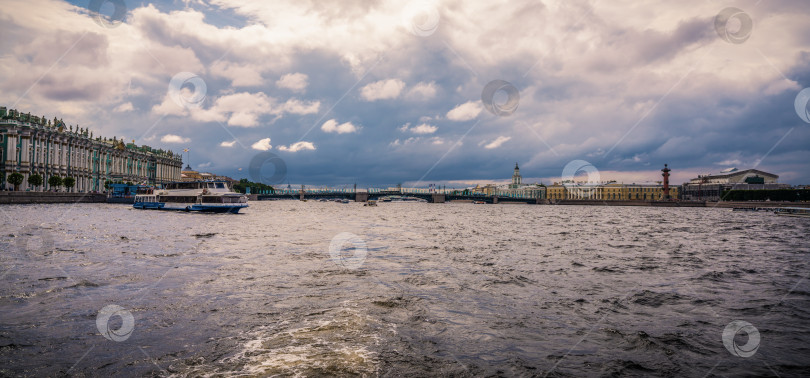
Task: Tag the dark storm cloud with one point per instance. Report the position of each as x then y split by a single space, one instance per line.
650 83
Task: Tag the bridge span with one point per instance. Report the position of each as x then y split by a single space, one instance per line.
432 196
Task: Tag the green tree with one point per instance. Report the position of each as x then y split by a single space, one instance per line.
69 182
55 182
15 179
255 187
35 180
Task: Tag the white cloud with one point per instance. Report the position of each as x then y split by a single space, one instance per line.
465 111
331 126
205 165
262 145
171 138
422 91
497 142
241 109
296 106
169 107
729 162
424 129
779 86
241 75
421 129
244 109
297 82
228 144
382 90
125 107
298 146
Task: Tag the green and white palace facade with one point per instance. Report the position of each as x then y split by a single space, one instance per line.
33 145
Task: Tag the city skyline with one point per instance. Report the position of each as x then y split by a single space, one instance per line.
385 93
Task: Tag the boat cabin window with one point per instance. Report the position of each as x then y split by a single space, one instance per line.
196 185
184 185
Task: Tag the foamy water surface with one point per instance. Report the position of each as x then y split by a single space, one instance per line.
417 289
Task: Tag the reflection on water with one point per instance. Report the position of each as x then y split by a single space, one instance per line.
444 289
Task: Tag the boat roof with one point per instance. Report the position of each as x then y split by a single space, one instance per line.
181 182
120 184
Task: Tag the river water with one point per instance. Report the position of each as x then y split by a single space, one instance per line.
295 288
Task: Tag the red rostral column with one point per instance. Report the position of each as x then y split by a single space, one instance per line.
666 181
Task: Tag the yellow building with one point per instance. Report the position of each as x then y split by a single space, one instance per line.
555 191
188 174
610 192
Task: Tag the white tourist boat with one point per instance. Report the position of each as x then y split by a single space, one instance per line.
199 196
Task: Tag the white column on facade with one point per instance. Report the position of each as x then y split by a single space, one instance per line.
11 143
25 148
60 152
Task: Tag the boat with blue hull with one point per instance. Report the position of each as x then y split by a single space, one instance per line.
196 196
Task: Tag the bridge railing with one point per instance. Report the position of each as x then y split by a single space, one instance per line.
403 191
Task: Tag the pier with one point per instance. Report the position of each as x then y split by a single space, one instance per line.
50 197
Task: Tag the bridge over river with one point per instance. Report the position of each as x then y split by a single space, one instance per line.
360 195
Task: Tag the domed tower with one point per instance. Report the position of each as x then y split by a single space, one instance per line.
516 178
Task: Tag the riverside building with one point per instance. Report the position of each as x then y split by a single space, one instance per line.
711 187
609 192
34 145
516 188
612 191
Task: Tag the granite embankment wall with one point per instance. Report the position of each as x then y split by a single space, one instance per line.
49 197
627 203
722 204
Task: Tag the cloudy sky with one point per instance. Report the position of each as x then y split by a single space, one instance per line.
451 92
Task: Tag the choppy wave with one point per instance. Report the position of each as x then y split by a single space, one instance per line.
439 290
